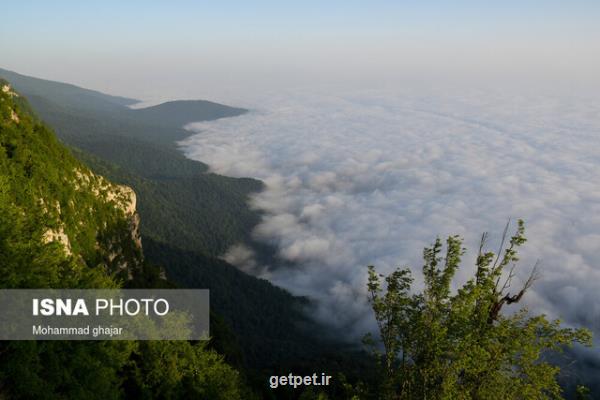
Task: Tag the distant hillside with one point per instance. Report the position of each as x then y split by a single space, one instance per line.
61 103
64 93
182 112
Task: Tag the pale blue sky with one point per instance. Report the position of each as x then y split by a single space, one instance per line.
123 46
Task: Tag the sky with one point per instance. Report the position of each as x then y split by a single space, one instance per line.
158 49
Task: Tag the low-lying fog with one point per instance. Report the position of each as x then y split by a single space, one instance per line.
363 178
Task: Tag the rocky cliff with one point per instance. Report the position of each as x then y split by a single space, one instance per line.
58 201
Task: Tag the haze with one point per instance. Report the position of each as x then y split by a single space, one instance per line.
227 49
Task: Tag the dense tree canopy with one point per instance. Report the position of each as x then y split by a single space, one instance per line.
445 344
41 191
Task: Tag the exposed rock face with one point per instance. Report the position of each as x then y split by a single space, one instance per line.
122 196
129 208
120 245
127 198
8 90
58 235
14 116
92 219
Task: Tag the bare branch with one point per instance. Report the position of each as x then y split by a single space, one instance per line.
484 237
504 236
507 282
508 299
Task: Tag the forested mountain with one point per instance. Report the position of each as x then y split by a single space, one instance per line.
63 226
189 217
180 203
64 209
60 103
181 112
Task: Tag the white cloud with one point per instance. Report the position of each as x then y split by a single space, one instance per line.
243 257
370 178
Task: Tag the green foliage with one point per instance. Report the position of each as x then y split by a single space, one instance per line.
582 393
179 203
175 370
43 189
263 312
440 344
40 193
115 370
64 370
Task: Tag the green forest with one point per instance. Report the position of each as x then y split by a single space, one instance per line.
41 190
432 344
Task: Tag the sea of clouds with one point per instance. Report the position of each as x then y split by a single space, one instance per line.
360 178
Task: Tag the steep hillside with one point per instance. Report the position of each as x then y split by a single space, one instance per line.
53 197
63 226
179 202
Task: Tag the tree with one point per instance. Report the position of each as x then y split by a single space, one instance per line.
180 369
41 189
445 344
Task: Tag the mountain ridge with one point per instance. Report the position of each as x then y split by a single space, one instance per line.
64 226
183 112
171 115
30 85
187 213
